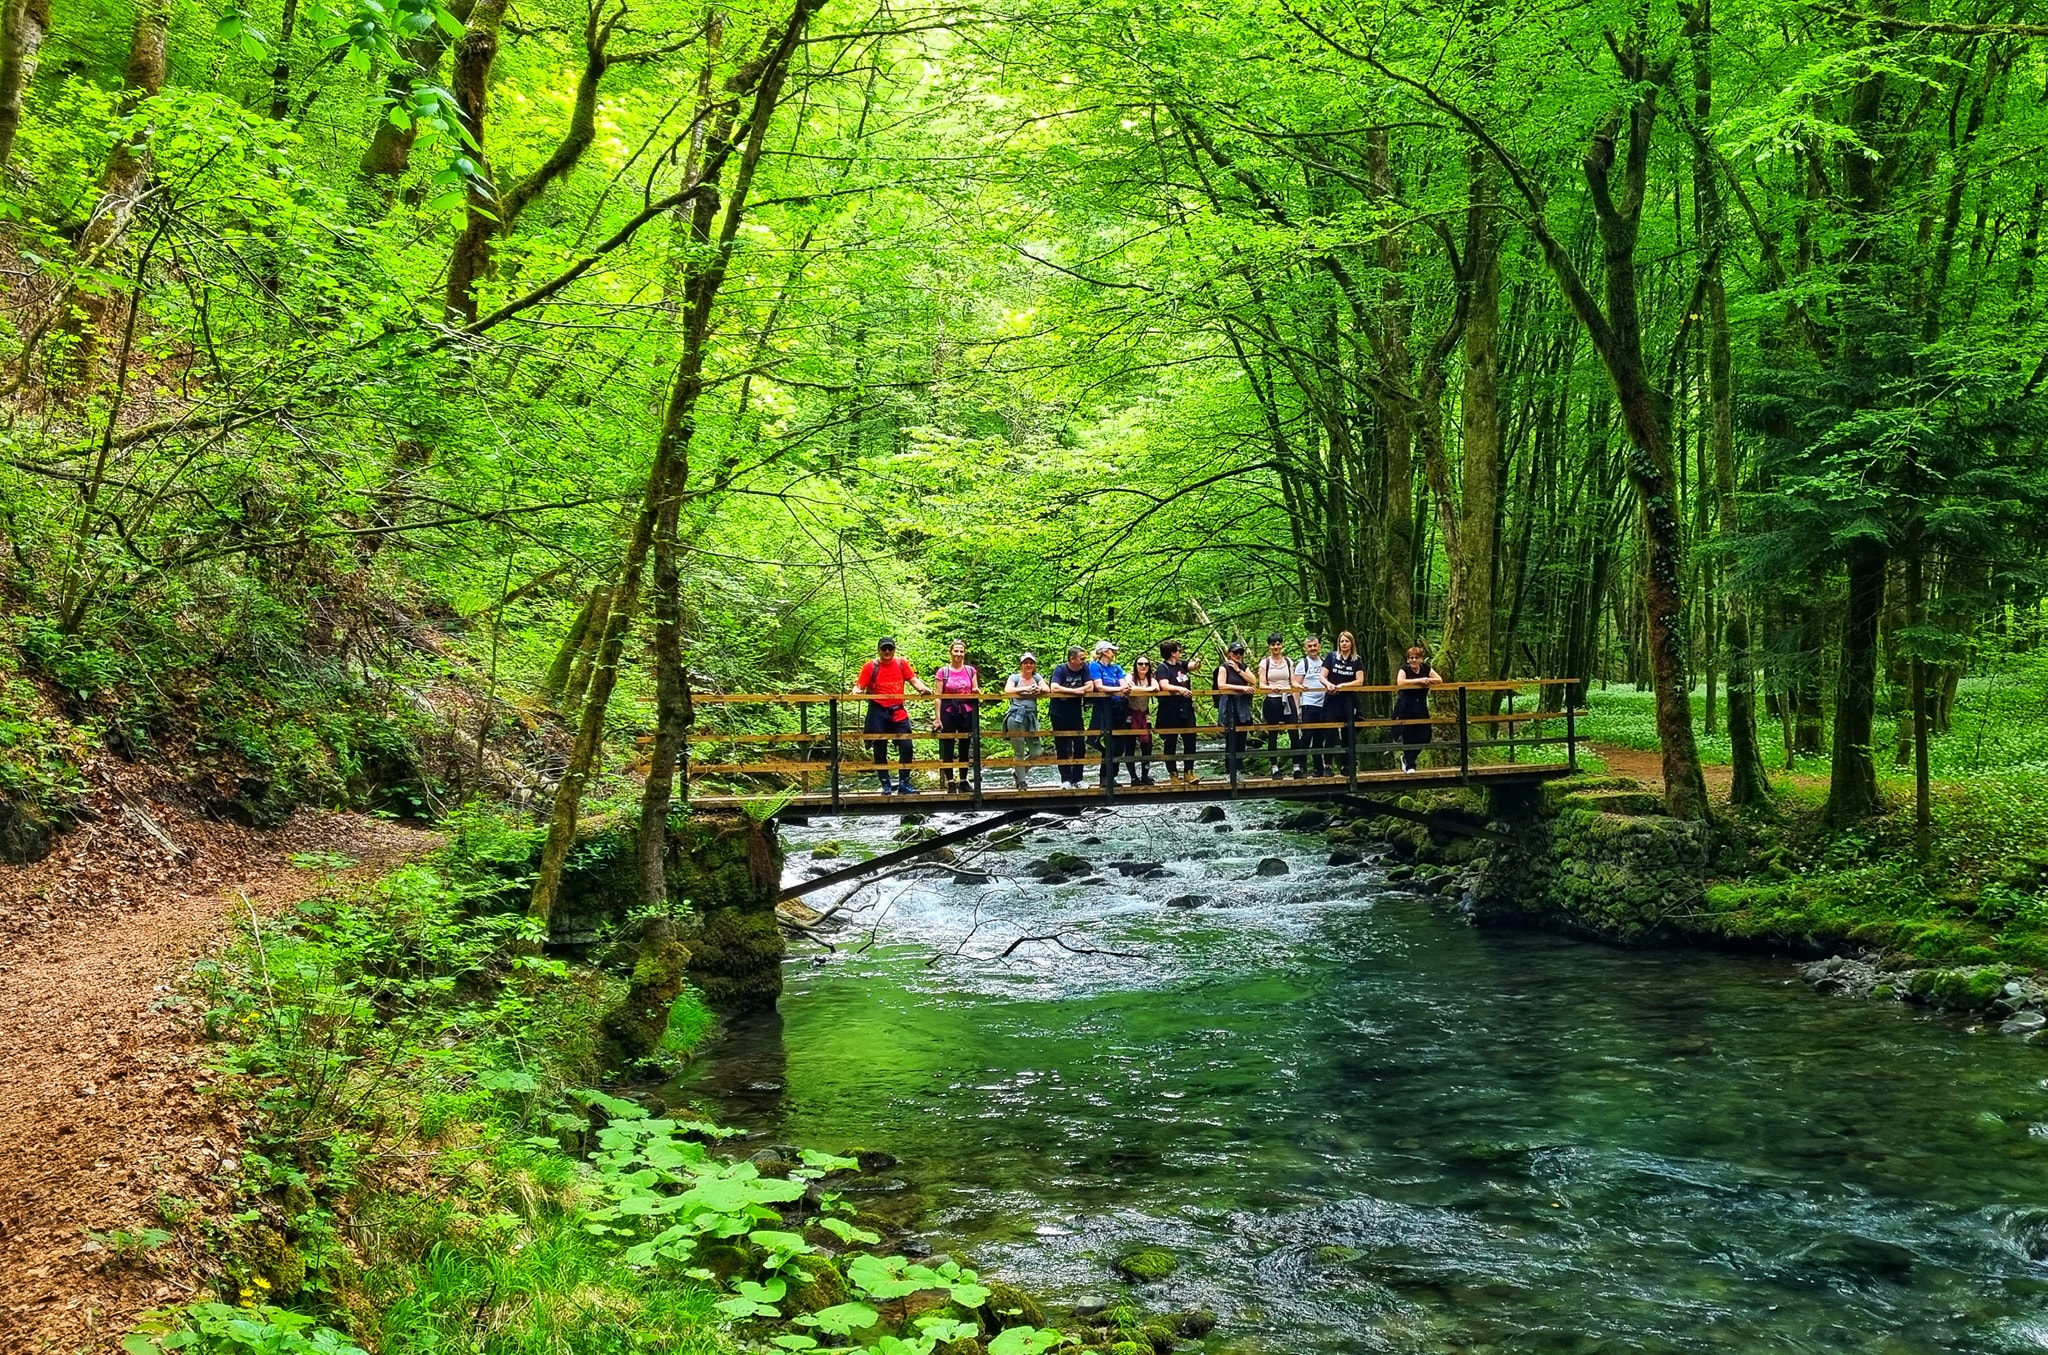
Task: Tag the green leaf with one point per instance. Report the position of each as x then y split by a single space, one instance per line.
1025 1341
847 1232
841 1319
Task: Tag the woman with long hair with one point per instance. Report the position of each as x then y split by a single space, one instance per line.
957 718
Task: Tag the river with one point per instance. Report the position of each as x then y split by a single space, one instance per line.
1366 1126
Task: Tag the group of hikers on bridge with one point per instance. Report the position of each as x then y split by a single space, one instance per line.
1311 700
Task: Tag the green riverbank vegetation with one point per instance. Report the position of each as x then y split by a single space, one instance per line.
428 1166
1979 897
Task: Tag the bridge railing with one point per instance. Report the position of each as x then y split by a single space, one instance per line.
744 743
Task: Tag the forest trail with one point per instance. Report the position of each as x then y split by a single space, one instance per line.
1647 766
102 1121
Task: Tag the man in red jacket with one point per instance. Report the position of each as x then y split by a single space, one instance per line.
883 679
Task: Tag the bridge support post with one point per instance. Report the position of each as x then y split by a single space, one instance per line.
1351 744
832 713
974 753
1464 736
1571 733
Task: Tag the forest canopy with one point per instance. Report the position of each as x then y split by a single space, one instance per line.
688 346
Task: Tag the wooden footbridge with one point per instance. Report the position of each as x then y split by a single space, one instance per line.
797 753
807 753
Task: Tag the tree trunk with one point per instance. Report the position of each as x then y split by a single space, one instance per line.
389 154
470 258
587 647
1468 624
667 479
1750 785
26 23
556 681
281 73
1394 589
89 313
1852 775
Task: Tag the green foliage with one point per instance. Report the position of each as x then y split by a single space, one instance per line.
217 1329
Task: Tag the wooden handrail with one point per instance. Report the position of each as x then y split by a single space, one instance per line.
1203 693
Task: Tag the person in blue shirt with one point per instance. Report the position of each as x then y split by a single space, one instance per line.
1110 686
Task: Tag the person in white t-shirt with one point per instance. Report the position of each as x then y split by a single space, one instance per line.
1310 684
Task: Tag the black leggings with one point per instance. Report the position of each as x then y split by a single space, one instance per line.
1278 714
957 718
1172 716
1069 744
1415 735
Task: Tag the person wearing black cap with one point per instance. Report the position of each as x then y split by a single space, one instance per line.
1234 689
883 679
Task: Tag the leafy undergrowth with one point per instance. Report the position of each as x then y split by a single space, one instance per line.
1983 898
428 1170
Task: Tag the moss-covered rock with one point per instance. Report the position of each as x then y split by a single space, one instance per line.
1957 990
1146 1264
814 1283
633 1030
1009 1306
1192 1323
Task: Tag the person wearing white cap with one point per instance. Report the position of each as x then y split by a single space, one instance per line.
1020 720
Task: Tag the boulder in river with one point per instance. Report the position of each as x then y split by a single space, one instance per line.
2022 1023
1211 814
1226 827
1344 857
1192 1324
1304 820
1009 1306
1146 1264
1059 863
1186 901
1272 865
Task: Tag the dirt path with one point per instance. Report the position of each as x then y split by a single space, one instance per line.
103 1121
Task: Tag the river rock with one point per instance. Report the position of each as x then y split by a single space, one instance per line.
1058 863
1186 901
1088 1305
1272 865
1226 827
1192 1324
1211 814
1304 820
1344 857
1146 1264
2022 1023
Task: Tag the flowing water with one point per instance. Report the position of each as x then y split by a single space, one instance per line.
1366 1126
